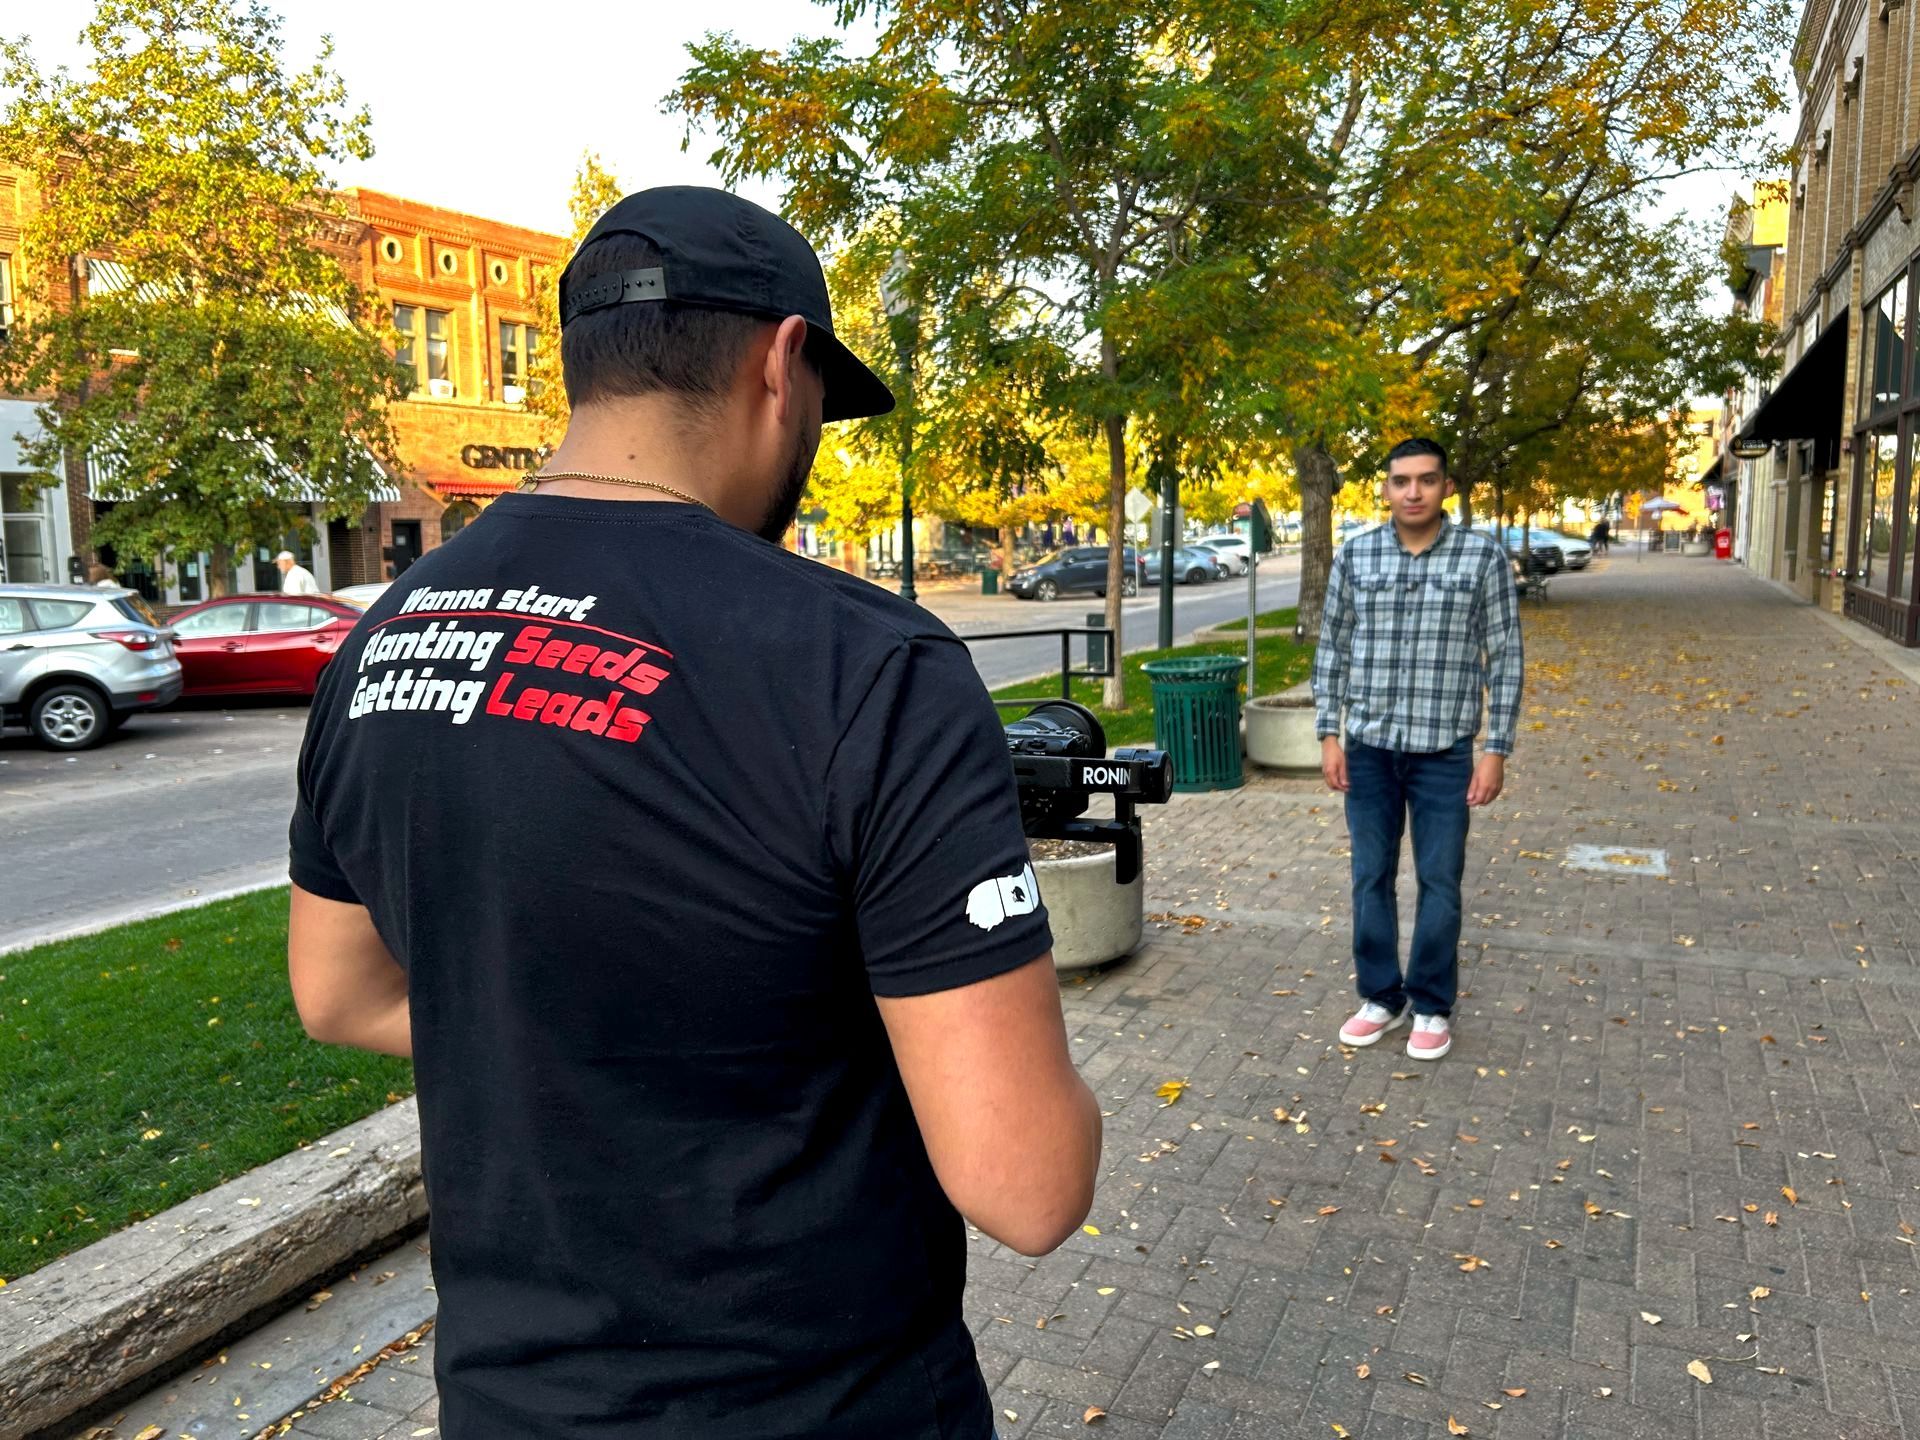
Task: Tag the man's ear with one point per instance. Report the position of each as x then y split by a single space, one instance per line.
787 352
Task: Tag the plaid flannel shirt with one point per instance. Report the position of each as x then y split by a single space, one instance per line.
1409 643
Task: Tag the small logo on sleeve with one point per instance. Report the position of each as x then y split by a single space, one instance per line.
992 901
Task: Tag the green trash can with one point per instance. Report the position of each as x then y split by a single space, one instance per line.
1196 718
989 582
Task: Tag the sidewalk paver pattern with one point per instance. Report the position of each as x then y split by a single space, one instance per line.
1667 1183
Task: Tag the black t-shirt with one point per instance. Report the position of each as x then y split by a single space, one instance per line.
650 810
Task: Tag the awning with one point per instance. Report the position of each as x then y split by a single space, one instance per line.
104 469
484 487
1714 471
1809 402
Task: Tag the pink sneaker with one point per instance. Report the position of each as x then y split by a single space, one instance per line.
1370 1023
1431 1038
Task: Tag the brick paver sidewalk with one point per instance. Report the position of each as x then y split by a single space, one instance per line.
1680 1123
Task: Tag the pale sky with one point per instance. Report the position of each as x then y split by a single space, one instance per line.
485 106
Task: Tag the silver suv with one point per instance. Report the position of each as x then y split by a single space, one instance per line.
76 660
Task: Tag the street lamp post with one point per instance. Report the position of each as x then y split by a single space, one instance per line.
903 321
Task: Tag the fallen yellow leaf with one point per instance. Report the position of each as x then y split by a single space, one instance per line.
1091 1229
1515 1393
1698 1370
1787 1190
1094 1412
1362 1370
1171 1091
1454 1427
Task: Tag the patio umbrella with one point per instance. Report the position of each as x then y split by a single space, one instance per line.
1660 505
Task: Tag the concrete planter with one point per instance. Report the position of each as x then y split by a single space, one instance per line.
1094 920
1280 733
1696 547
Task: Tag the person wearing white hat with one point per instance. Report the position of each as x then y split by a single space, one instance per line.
295 578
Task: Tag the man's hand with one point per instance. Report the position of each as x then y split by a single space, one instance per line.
1489 777
1333 763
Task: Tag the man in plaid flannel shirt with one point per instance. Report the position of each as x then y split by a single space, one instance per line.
1421 621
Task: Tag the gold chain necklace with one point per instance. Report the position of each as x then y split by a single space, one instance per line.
527 485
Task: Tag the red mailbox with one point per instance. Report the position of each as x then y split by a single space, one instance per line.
1723 544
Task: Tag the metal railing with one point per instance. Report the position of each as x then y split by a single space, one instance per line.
1100 658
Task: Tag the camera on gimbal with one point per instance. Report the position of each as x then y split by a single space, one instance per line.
1060 760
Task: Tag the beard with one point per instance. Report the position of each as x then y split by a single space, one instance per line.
791 486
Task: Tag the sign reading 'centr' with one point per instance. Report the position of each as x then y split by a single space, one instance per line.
498 457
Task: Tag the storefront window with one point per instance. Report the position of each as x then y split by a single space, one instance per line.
1876 550
454 518
1910 533
26 534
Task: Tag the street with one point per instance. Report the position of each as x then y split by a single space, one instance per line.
194 800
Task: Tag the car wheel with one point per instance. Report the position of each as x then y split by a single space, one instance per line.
1046 590
1195 577
70 717
1129 587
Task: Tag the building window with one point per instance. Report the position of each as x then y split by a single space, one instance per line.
454 518
519 345
6 297
1884 374
26 533
423 349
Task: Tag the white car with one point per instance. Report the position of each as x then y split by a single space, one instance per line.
362 595
1235 550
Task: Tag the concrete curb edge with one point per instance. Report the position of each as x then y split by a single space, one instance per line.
92 1323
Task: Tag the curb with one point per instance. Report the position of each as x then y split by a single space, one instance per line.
134 914
92 1323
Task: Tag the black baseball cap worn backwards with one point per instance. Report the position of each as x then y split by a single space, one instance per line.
727 253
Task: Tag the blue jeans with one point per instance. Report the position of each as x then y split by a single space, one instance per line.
1385 788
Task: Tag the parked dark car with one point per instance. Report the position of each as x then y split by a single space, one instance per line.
1192 565
1077 569
260 644
1545 553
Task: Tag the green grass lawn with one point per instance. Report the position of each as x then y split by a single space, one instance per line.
1265 620
1278 663
143 1065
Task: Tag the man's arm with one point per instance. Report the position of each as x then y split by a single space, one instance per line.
1012 1130
1332 654
346 984
1500 608
1331 659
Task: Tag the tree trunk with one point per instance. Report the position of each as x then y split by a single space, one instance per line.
1007 567
1319 479
219 572
1464 489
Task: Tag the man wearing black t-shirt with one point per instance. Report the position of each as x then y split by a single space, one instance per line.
690 874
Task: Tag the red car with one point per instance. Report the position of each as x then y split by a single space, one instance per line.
260 644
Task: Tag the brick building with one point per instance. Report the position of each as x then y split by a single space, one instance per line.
461 292
1842 414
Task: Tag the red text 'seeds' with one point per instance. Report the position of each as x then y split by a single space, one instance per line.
627 671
